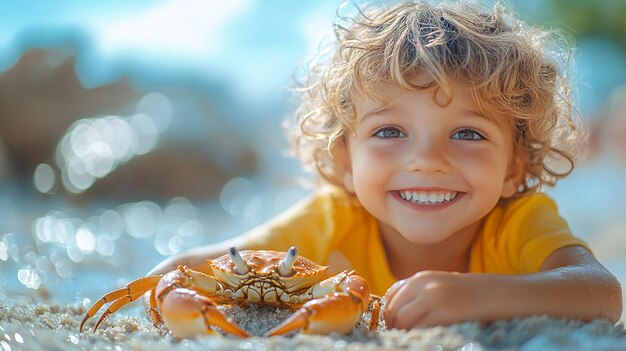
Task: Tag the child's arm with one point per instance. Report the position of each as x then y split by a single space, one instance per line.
572 284
196 258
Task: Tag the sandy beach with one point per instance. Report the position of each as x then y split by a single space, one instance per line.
30 324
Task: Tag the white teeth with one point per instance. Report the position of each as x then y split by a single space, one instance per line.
428 198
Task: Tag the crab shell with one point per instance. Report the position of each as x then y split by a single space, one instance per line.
263 266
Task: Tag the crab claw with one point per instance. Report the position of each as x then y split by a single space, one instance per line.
337 313
215 317
187 314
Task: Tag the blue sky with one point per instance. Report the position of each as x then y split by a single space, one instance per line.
243 40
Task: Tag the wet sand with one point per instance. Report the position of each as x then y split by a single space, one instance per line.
33 325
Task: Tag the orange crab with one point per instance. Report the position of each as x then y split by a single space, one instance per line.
186 300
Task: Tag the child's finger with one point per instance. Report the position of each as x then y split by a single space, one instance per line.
394 289
409 315
398 295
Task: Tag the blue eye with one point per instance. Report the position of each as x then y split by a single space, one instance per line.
467 134
389 132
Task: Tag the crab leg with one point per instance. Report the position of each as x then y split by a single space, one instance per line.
374 307
153 310
337 311
120 298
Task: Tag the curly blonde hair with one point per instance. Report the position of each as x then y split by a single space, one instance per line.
512 69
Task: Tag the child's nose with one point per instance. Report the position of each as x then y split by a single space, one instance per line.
428 157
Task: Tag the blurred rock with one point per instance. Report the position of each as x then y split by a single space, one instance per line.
6 168
40 100
166 173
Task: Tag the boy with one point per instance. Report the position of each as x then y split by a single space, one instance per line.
433 128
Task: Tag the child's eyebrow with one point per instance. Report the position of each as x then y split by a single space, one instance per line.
487 118
381 110
375 111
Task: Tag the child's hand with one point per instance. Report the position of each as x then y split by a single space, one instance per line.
432 298
572 284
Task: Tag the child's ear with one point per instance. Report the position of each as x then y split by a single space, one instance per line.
514 178
348 182
344 165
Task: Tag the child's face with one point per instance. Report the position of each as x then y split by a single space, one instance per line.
426 171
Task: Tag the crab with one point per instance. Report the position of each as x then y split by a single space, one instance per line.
186 301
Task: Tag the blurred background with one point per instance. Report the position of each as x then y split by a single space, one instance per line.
131 131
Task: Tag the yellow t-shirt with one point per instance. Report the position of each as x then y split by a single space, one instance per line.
335 230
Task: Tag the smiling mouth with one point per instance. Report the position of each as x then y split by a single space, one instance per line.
431 198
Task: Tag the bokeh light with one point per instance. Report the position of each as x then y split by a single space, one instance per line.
92 148
44 178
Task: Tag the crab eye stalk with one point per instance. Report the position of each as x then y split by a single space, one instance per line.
286 265
241 267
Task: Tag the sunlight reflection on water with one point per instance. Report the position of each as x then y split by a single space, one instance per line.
81 252
94 147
